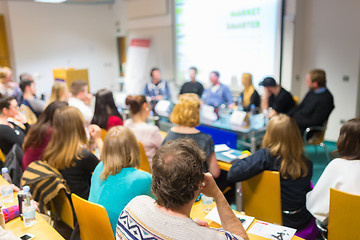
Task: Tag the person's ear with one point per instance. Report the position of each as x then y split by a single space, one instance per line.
5 110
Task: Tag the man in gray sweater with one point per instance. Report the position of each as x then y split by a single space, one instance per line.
178 179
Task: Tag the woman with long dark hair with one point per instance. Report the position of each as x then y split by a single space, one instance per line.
341 173
106 114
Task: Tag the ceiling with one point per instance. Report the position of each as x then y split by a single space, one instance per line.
73 1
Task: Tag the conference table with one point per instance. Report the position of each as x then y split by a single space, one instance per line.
198 211
223 131
41 229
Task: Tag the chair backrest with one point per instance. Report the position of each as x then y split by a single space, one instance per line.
93 220
318 134
262 197
103 133
144 162
344 215
61 208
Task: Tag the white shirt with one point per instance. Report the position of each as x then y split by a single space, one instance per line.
84 109
340 174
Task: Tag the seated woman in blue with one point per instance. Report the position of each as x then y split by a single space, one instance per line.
116 180
282 151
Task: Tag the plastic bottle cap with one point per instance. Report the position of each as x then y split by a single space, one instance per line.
26 188
4 170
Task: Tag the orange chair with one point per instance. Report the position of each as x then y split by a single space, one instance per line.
103 133
2 156
344 215
93 220
262 197
61 208
144 163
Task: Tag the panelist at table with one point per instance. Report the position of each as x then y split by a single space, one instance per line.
157 89
218 94
193 86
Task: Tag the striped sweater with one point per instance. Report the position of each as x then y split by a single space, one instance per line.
142 220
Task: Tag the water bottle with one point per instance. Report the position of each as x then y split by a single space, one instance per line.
240 104
252 109
28 210
6 190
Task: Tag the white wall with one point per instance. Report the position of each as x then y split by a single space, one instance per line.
47 36
156 28
328 37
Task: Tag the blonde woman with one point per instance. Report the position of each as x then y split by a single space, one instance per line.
186 116
59 92
67 150
282 151
249 96
116 180
148 134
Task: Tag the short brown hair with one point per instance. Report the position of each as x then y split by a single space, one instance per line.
187 111
120 150
177 172
319 76
348 143
77 87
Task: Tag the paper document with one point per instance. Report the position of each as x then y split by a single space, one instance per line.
229 154
272 231
221 148
213 215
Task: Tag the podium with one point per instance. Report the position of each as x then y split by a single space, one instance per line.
71 75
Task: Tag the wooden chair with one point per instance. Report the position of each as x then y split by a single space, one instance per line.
93 220
344 215
61 209
144 163
317 139
262 197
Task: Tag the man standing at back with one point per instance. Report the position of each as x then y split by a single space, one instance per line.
192 86
218 94
178 179
318 103
80 99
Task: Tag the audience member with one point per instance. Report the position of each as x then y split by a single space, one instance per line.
106 114
341 173
249 97
178 179
31 106
80 99
39 135
157 89
59 92
116 180
67 150
7 86
193 86
218 94
276 98
149 135
10 132
282 151
186 116
318 103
